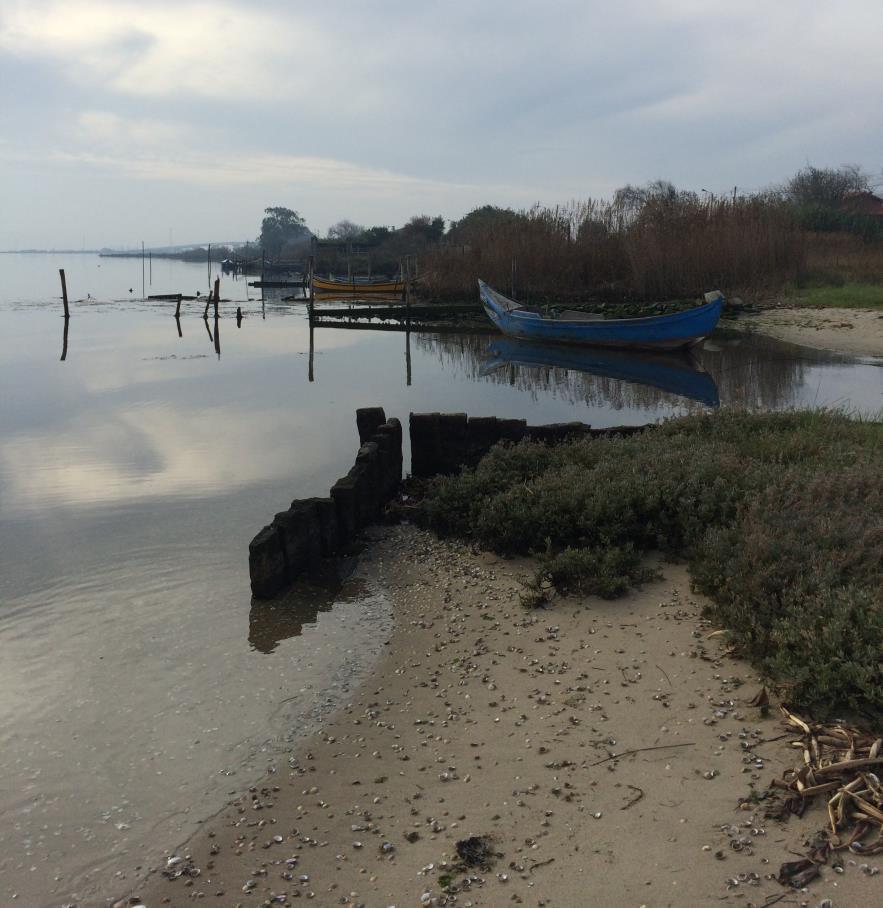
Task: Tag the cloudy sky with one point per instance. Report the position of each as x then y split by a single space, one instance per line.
122 121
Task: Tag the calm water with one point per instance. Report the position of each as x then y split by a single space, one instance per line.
138 683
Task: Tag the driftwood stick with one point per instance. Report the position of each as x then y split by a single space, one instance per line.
635 799
639 750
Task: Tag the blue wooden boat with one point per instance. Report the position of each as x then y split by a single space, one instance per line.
675 372
680 329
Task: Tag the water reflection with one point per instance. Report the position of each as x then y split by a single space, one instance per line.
730 368
67 322
674 373
272 621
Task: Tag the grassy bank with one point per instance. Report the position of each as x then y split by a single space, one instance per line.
852 295
778 516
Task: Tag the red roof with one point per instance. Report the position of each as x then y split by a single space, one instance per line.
864 203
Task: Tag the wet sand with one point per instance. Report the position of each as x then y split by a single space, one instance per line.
855 331
484 719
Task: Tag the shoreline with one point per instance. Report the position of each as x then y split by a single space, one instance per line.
855 332
485 719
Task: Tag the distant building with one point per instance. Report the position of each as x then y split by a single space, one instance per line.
865 203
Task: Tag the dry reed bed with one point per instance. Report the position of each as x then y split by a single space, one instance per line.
837 764
663 249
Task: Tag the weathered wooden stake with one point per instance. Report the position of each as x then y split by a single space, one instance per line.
178 307
217 294
67 313
143 289
67 323
208 264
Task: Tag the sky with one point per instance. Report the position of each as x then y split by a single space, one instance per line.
181 121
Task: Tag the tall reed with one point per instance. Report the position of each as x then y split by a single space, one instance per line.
663 248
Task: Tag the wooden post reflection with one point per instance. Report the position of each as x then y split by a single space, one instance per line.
408 354
310 369
205 319
178 323
67 322
218 336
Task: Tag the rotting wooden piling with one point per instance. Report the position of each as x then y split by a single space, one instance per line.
321 527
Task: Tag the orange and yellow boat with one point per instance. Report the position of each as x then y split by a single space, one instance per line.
357 285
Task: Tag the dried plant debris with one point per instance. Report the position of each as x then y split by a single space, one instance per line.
477 851
838 763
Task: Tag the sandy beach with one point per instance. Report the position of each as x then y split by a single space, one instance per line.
488 720
858 332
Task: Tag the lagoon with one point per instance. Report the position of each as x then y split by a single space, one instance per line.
139 685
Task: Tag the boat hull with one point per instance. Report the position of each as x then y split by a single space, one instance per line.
660 332
327 285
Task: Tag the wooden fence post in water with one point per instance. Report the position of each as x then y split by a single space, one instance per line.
178 307
67 322
67 313
217 294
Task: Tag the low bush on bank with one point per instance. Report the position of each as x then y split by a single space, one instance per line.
778 516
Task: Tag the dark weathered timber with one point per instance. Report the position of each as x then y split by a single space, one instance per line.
266 563
67 313
368 419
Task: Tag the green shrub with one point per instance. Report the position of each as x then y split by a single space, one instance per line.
777 514
605 572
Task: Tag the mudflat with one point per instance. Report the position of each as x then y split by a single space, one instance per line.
587 753
854 331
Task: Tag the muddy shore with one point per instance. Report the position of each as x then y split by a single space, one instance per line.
858 332
487 720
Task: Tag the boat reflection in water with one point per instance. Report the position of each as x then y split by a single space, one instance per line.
673 372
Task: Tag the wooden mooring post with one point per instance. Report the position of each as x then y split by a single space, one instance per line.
217 295
178 307
67 313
